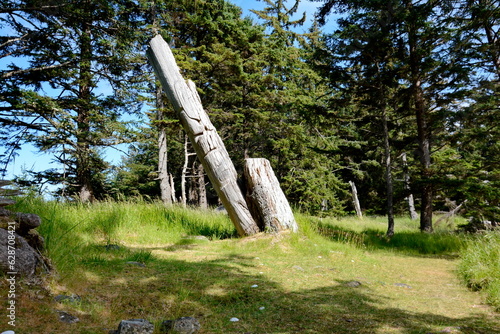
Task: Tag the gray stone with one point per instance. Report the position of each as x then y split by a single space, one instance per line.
184 325
27 221
402 285
6 201
135 326
27 260
67 318
35 240
353 284
24 222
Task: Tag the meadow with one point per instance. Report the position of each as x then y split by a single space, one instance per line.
140 259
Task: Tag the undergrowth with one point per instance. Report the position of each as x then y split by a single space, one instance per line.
480 266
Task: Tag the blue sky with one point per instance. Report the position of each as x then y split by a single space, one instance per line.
30 159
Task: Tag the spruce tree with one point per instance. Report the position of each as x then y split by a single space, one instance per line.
72 51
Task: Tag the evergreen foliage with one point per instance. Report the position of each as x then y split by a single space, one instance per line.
396 77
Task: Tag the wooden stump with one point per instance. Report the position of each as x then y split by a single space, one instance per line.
265 199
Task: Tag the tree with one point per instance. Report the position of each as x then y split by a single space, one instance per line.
414 39
71 50
474 156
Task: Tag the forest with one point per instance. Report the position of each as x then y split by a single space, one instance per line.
400 100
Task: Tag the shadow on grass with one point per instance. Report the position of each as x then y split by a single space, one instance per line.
232 286
438 244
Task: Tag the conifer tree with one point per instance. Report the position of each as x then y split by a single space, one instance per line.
71 50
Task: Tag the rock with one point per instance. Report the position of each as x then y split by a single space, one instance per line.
35 240
299 268
184 325
27 221
67 318
6 201
27 260
402 285
24 222
112 247
135 326
353 284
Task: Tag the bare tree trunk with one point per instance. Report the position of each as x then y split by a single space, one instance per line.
265 199
163 176
409 198
185 171
355 200
388 177
172 186
202 134
202 190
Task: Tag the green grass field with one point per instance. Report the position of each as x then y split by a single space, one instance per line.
333 276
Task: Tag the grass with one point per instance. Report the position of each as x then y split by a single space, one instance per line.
287 283
480 266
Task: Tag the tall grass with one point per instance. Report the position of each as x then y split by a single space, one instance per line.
480 266
77 233
369 234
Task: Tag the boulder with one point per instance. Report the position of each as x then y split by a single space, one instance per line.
184 325
24 222
27 221
23 259
67 318
135 326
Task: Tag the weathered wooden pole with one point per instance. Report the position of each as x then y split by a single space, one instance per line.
202 134
265 199
355 199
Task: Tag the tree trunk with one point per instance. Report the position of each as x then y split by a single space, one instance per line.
425 161
172 186
163 176
388 177
355 200
184 173
202 134
202 190
423 123
265 199
409 197
83 150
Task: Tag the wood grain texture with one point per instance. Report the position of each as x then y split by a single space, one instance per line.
203 136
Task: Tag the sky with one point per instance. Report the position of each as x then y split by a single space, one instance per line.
30 159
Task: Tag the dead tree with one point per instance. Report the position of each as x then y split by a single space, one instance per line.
355 200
